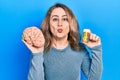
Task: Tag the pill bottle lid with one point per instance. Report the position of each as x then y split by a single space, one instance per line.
86 30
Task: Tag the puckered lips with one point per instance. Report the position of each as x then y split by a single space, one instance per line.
60 30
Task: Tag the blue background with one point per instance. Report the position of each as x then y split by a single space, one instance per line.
101 16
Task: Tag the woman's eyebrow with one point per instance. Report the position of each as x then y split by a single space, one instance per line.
64 15
54 15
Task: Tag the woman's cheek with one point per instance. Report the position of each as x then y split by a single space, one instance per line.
53 30
67 29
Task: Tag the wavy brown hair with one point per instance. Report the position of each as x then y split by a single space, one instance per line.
73 35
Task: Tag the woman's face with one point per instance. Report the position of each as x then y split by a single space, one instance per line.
59 24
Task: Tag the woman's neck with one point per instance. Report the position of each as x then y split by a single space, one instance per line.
60 43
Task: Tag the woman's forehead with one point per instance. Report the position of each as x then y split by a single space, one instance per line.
58 11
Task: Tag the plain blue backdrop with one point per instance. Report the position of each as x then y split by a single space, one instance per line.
101 16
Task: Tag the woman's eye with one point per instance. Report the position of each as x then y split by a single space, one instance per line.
65 19
55 19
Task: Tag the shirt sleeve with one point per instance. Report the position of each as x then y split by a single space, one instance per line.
92 67
36 71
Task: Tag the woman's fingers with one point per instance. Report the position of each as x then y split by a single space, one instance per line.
94 40
38 40
94 37
27 38
33 36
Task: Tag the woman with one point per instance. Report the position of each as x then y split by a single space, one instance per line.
57 52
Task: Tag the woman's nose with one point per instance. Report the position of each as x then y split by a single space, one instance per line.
60 23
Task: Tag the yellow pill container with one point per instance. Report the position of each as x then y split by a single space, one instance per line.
86 35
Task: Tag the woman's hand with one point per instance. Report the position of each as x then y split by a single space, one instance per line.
94 40
34 39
